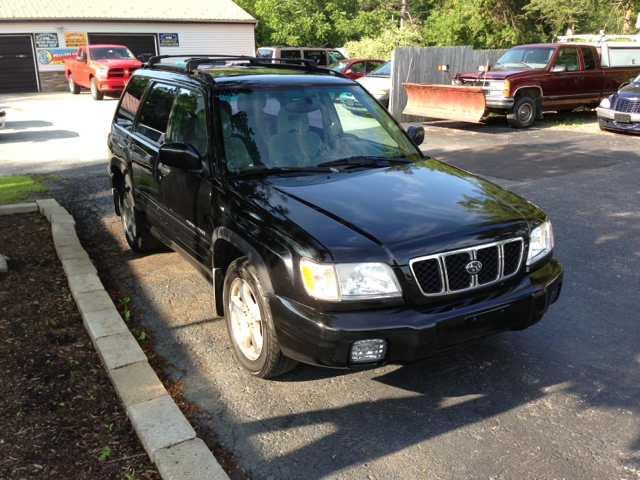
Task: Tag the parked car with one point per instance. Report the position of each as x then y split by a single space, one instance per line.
3 118
378 84
531 79
621 111
329 238
321 55
357 68
102 68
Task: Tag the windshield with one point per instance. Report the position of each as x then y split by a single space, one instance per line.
338 66
107 53
528 57
304 127
384 70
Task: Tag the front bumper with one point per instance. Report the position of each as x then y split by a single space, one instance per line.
606 120
108 84
499 102
325 339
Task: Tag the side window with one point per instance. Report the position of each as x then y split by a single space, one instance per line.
155 112
357 67
569 58
371 66
188 122
265 53
318 56
335 56
131 101
589 59
81 53
290 54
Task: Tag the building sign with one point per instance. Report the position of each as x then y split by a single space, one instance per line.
56 56
75 39
46 40
169 40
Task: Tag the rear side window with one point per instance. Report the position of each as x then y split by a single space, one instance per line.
131 101
589 59
265 53
290 54
154 116
318 56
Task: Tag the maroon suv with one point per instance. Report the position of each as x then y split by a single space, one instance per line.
357 68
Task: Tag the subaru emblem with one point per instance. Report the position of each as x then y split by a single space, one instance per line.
474 267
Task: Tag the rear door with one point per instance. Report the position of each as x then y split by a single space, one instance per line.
592 80
148 135
185 193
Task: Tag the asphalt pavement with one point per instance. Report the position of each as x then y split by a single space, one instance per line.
559 400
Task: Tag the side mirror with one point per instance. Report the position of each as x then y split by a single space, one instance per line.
416 133
179 155
558 69
632 79
348 71
81 59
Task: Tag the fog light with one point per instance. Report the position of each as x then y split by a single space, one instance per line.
367 351
105 87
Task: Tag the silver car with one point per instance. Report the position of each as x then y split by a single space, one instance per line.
378 84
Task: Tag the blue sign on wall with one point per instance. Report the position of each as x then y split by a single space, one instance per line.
168 39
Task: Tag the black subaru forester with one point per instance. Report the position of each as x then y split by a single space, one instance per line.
328 236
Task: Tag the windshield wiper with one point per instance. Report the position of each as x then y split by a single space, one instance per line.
279 171
530 66
500 63
363 160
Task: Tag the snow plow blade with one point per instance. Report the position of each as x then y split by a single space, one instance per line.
450 102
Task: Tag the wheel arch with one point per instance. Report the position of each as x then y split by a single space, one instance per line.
532 91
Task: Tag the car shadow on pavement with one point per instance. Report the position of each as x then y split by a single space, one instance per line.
36 136
24 124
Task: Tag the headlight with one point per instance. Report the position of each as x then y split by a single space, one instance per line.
101 72
349 281
541 242
605 103
379 93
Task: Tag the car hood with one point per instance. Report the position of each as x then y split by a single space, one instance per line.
375 83
498 73
118 62
397 213
631 90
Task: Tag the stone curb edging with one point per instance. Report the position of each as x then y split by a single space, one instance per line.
163 430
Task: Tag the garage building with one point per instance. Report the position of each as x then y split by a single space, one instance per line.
36 36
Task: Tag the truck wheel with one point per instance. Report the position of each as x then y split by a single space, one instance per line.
523 113
95 92
138 238
250 324
75 89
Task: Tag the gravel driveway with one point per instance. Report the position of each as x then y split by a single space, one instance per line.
559 400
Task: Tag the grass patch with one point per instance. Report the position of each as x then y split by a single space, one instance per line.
13 189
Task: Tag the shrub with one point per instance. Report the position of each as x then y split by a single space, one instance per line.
382 46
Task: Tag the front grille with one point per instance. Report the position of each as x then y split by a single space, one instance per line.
627 106
116 73
447 272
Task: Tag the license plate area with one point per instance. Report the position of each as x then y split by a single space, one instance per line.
623 118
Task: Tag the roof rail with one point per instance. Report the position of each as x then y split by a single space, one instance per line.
192 63
598 38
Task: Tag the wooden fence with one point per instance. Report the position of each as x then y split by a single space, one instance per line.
420 65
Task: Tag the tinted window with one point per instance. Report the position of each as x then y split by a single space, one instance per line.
624 57
264 53
131 101
320 57
335 56
371 66
589 59
155 112
290 54
569 58
357 67
188 121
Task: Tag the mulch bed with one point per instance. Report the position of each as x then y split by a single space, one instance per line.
60 417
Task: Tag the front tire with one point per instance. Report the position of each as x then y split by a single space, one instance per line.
138 238
523 113
250 324
73 86
95 91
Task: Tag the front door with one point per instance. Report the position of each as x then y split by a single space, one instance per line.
564 88
185 193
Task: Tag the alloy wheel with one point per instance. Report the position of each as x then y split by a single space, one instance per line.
246 320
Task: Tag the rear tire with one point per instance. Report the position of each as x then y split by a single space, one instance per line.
523 113
73 86
138 238
250 324
95 91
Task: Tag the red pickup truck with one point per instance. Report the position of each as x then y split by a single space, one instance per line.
102 68
529 80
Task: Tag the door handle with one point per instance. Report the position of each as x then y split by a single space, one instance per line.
581 77
164 169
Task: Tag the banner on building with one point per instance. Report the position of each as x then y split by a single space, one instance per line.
47 40
168 39
75 39
56 56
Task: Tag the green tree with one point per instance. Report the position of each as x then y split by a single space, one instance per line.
382 45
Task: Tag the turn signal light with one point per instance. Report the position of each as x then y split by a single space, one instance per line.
443 68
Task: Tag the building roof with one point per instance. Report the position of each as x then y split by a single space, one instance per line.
141 10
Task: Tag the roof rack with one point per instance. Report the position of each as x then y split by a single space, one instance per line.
193 62
602 38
